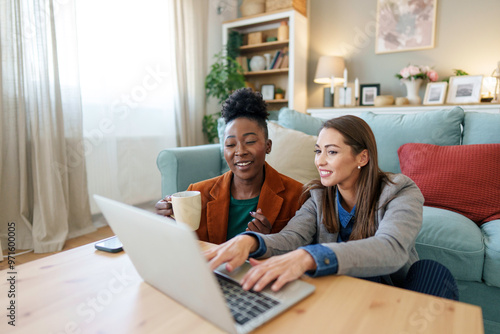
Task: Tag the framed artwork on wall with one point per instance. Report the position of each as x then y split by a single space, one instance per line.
368 93
344 97
464 89
435 92
267 92
404 25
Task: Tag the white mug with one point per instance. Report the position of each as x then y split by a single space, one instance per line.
187 208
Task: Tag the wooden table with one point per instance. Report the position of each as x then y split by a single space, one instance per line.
88 291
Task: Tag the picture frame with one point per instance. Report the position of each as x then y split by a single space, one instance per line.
464 89
367 93
435 93
348 93
405 25
267 92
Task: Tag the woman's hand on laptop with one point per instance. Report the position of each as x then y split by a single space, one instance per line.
164 207
281 268
234 252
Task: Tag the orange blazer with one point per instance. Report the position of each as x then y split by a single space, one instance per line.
279 200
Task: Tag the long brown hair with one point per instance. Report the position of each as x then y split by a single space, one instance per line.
359 136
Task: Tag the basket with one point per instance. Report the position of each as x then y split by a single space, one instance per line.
299 5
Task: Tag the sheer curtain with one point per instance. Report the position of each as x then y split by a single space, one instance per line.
142 67
42 171
189 24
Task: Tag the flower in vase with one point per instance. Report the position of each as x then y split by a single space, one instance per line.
417 72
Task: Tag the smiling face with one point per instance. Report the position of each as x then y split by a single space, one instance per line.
245 148
335 160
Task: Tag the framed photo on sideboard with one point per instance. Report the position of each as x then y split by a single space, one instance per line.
435 92
368 93
464 89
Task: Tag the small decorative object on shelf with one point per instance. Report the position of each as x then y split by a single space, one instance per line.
383 100
255 38
283 31
267 92
496 75
298 5
279 94
344 96
401 101
252 7
368 94
257 63
413 76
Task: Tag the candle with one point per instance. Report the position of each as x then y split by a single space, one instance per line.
356 88
332 83
345 77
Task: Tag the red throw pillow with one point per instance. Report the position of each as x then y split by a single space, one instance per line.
462 178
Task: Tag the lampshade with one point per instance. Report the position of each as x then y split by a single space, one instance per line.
329 66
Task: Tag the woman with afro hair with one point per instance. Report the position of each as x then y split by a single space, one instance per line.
251 196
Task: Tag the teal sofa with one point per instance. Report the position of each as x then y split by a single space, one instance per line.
472 253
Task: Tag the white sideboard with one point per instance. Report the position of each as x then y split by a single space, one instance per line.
327 113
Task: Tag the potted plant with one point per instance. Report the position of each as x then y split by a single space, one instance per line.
279 94
225 76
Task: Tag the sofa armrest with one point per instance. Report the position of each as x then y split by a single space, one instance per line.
181 166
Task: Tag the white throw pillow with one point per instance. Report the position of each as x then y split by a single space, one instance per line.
292 153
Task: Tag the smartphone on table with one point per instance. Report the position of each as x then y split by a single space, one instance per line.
112 245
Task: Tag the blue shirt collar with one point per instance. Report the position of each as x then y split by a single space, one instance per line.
344 216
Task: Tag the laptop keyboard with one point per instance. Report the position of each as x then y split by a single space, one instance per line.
244 305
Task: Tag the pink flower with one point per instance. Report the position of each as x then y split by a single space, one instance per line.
432 75
405 73
414 70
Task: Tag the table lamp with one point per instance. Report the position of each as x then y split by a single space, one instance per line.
330 71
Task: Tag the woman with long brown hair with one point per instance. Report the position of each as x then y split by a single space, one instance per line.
357 220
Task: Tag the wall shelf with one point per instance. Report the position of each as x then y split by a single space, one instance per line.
264 46
277 101
327 113
293 80
267 72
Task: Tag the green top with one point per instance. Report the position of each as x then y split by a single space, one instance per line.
239 215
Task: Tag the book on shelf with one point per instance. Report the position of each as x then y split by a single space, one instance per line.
278 61
243 61
273 62
284 63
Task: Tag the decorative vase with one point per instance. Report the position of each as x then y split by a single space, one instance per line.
283 31
257 63
268 60
412 87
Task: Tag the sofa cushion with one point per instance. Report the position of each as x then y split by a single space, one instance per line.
292 153
439 127
481 128
491 233
292 119
454 241
461 178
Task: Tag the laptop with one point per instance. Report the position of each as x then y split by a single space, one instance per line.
167 255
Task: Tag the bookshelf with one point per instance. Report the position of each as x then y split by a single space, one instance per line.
292 78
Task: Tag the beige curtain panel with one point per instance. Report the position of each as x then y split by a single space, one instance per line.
43 185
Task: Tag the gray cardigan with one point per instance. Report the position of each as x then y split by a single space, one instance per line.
390 250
